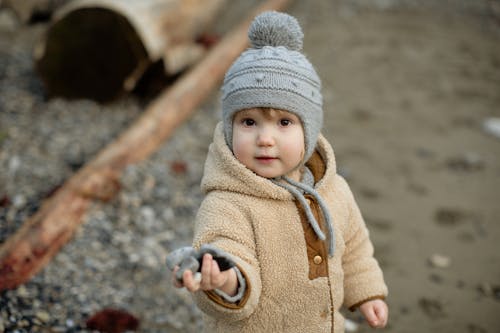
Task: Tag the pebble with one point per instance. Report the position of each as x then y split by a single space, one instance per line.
439 261
148 216
8 22
351 326
492 126
468 161
168 214
43 316
70 323
22 291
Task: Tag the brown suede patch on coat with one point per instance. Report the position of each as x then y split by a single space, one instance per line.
317 166
317 252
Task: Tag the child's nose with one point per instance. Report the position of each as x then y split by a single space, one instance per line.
265 137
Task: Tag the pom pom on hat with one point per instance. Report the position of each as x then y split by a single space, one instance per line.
276 29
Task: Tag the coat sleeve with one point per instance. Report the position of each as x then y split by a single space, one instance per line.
363 278
221 223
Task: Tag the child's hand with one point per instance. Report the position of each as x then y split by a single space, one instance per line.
375 312
211 278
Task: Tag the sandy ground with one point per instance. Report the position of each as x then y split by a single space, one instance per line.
406 95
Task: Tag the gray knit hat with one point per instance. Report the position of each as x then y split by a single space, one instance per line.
273 73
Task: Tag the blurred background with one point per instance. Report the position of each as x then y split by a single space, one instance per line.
412 108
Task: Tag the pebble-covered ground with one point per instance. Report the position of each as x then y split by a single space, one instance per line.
406 94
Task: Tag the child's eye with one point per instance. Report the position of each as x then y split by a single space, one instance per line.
285 122
248 122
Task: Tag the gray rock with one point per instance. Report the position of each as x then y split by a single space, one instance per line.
492 126
43 316
8 20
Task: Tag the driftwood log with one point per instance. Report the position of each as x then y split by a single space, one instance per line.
99 49
44 233
29 10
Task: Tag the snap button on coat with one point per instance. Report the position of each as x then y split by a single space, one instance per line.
318 260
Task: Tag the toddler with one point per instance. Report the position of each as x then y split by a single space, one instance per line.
275 208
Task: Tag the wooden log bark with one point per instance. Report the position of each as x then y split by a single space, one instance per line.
27 10
43 234
99 49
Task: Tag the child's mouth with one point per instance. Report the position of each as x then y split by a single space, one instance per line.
265 159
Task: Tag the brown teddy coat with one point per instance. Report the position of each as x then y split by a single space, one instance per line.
291 283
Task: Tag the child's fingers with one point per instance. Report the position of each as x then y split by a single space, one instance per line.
371 317
216 277
206 270
375 313
190 282
381 313
377 316
209 278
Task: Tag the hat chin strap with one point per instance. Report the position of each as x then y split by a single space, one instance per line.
297 189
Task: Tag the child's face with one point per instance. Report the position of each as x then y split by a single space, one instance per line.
269 142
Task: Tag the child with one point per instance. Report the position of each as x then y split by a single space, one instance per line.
275 206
